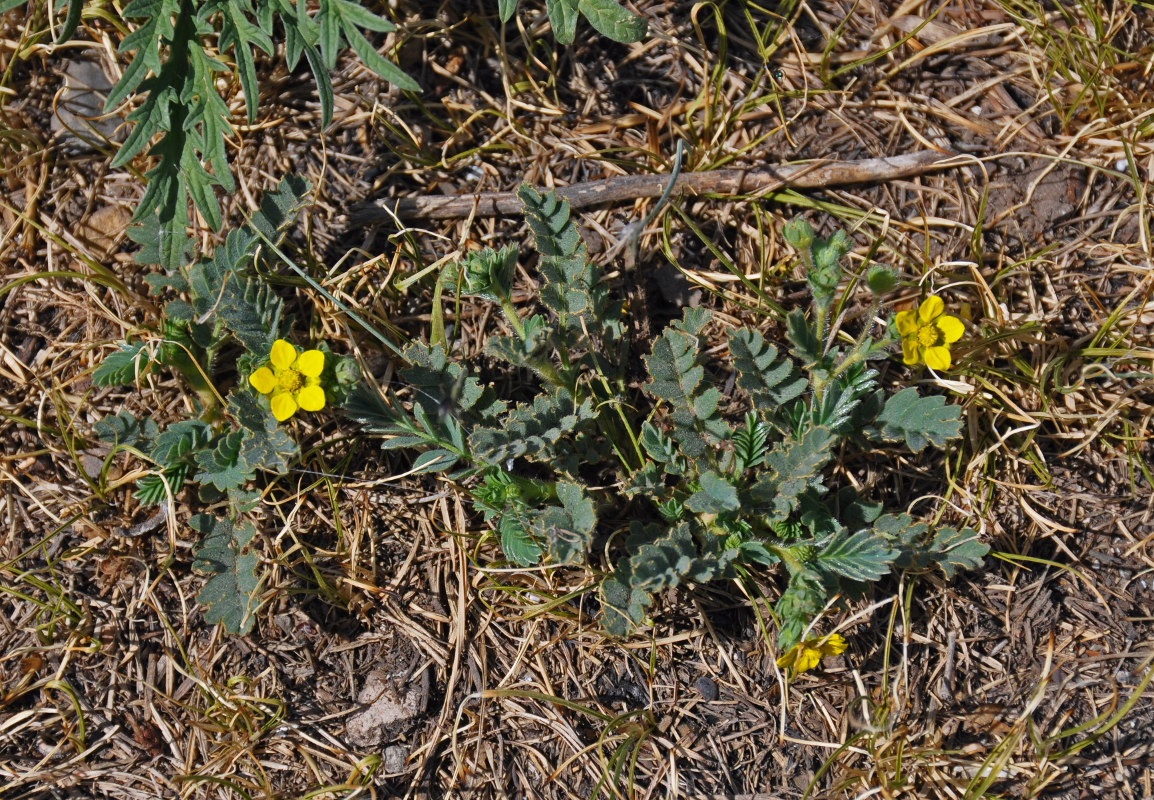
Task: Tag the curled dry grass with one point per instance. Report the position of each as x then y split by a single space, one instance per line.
1028 679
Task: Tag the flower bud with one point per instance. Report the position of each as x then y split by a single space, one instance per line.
798 233
881 279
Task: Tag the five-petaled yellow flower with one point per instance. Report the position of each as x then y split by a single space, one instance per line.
291 380
806 655
927 333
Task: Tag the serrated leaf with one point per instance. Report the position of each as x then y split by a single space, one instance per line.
222 467
265 444
230 593
125 430
861 556
918 420
955 550
568 529
610 19
532 429
806 344
179 439
948 548
716 496
794 465
518 543
770 381
123 366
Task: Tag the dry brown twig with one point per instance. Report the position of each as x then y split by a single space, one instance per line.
814 175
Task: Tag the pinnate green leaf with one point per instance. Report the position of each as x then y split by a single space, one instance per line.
123 366
716 495
567 529
517 542
918 420
222 466
230 593
771 382
860 556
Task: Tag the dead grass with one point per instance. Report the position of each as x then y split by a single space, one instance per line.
1027 679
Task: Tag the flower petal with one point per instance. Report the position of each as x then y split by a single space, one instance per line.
310 363
834 644
283 406
910 351
790 657
808 658
263 380
311 398
952 328
938 357
283 354
930 309
906 322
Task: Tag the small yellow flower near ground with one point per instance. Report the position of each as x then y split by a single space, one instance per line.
291 380
804 656
927 333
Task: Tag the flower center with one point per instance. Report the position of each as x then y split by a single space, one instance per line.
929 336
291 381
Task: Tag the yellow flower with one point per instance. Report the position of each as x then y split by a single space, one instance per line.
927 333
290 380
804 656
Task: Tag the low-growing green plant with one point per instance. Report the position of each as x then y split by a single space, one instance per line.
681 483
608 17
230 440
181 51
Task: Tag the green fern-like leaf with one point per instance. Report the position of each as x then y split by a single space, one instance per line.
716 495
771 382
950 549
750 444
265 444
532 429
861 556
230 593
567 529
678 377
125 430
124 366
918 420
222 466
794 466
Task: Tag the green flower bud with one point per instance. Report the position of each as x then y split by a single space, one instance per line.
881 279
798 233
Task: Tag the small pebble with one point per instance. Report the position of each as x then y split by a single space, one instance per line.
976 111
394 759
1122 165
706 688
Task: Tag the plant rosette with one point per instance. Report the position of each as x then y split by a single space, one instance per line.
291 380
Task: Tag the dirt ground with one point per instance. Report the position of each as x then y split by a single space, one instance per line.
389 658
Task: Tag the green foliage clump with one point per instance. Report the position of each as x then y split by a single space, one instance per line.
608 17
181 49
706 496
225 447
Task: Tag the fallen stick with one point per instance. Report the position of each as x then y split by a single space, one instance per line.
813 175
